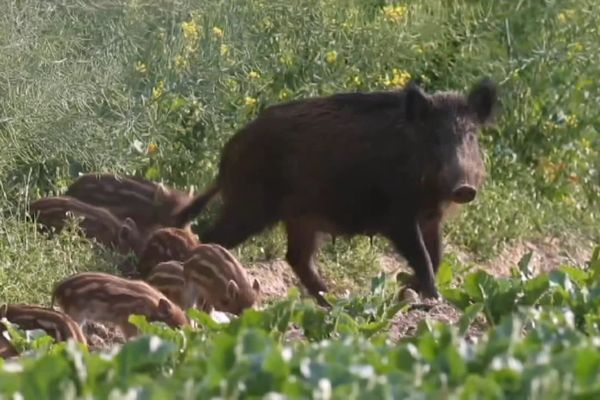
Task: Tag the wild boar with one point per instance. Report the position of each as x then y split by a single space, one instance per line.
148 203
166 244
106 298
167 277
213 275
56 323
381 163
97 222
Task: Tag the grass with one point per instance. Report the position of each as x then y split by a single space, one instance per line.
92 86
156 88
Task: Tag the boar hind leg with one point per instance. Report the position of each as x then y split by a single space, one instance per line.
408 240
302 243
432 237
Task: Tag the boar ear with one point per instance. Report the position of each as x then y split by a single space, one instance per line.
164 308
416 103
232 290
483 99
256 286
128 231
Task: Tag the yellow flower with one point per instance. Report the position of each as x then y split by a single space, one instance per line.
549 125
356 80
331 56
181 62
190 30
284 94
217 32
232 85
564 16
250 102
158 90
286 59
253 75
267 23
399 78
152 148
141 67
224 50
418 48
571 121
394 13
585 143
568 199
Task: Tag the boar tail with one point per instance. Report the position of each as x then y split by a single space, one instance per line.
52 299
186 213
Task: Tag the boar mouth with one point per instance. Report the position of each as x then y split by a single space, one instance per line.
463 194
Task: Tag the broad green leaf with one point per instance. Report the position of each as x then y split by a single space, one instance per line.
587 367
534 289
144 354
480 387
525 264
444 275
576 274
45 378
203 319
457 297
469 315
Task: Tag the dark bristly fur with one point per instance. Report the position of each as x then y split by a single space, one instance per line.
213 274
97 222
148 203
166 244
386 163
167 277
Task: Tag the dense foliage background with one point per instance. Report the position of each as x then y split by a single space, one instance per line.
155 88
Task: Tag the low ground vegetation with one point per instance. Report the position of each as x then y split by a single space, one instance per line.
155 88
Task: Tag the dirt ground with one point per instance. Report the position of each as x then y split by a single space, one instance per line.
276 278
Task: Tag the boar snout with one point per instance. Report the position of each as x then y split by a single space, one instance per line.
464 194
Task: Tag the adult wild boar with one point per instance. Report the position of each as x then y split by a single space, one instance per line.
386 163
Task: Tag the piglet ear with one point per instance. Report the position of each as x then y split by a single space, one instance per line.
232 290
164 308
417 103
256 286
129 235
483 99
126 230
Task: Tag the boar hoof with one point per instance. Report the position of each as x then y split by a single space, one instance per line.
324 303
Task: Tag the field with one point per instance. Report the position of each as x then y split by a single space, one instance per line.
155 89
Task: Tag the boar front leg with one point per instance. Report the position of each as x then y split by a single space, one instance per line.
408 240
431 230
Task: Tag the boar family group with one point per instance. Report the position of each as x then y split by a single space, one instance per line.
173 272
384 163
